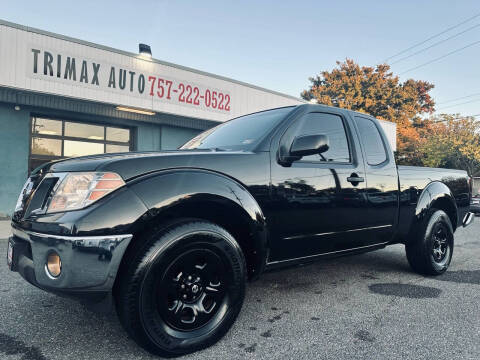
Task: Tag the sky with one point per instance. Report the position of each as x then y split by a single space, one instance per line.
280 44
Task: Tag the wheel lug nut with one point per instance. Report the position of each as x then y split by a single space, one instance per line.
185 296
183 286
189 278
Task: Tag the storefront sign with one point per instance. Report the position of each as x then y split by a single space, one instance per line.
42 62
158 87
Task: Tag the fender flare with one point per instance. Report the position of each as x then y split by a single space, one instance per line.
164 190
436 195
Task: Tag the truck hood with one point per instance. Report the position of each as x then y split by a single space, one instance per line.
133 164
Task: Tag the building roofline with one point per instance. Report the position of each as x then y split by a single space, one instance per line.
130 54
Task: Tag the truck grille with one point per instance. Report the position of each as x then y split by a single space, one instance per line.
33 196
24 197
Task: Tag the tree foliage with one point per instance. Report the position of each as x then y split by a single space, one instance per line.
451 141
371 90
443 141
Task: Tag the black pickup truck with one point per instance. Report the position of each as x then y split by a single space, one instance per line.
172 237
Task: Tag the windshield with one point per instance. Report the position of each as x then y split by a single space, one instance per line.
242 133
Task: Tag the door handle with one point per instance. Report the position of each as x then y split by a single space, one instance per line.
355 179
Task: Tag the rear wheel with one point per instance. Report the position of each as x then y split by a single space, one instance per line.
183 289
430 251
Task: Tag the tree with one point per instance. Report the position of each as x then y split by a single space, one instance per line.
371 90
451 141
374 90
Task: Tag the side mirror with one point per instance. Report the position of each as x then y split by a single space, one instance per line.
308 145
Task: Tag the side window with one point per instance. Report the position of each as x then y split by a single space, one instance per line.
371 140
332 126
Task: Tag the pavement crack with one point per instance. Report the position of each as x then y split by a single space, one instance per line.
364 335
461 277
267 334
11 346
405 290
251 348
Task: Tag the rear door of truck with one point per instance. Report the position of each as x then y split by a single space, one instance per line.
382 180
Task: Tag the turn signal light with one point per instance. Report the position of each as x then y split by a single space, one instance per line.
105 184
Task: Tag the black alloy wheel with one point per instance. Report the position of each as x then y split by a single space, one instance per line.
192 289
430 248
182 288
440 245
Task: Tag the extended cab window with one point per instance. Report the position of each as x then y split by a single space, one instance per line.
371 140
332 126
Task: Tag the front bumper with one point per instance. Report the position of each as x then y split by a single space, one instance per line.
89 263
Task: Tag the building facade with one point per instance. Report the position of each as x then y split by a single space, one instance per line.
62 97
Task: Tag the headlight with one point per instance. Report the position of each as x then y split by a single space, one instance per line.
77 190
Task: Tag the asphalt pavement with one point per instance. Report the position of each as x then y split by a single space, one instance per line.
369 306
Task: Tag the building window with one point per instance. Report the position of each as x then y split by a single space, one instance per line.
57 139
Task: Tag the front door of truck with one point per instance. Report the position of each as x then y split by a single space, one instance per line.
318 202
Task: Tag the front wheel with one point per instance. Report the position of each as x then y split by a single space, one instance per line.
183 289
430 251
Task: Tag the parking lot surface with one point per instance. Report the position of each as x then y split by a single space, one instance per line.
369 306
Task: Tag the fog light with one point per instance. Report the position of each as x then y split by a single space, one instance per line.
54 264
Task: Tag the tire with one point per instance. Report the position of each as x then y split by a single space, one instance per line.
182 289
430 250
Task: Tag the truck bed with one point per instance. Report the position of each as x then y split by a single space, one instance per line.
413 180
